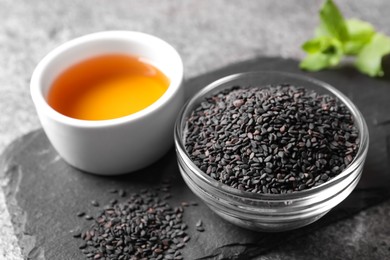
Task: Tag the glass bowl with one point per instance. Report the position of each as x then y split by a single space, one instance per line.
269 212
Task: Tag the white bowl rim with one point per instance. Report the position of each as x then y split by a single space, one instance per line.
43 106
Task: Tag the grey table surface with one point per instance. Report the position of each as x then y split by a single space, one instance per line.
208 35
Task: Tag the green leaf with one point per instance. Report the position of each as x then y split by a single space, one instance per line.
336 37
359 30
322 44
318 61
313 45
359 33
322 52
332 22
369 60
315 62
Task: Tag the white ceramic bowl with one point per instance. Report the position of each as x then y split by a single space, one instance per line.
120 145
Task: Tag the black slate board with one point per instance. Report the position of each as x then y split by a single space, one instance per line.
43 193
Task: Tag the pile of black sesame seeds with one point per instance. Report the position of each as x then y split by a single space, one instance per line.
145 226
274 139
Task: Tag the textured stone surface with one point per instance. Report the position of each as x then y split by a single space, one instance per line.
33 169
208 35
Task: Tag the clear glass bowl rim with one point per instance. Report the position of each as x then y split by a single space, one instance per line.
358 117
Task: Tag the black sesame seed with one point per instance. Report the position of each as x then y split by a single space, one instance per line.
83 245
200 229
77 235
186 239
240 134
80 214
199 223
145 226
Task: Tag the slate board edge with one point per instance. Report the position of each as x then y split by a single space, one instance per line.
27 240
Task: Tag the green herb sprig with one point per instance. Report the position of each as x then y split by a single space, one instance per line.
337 37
